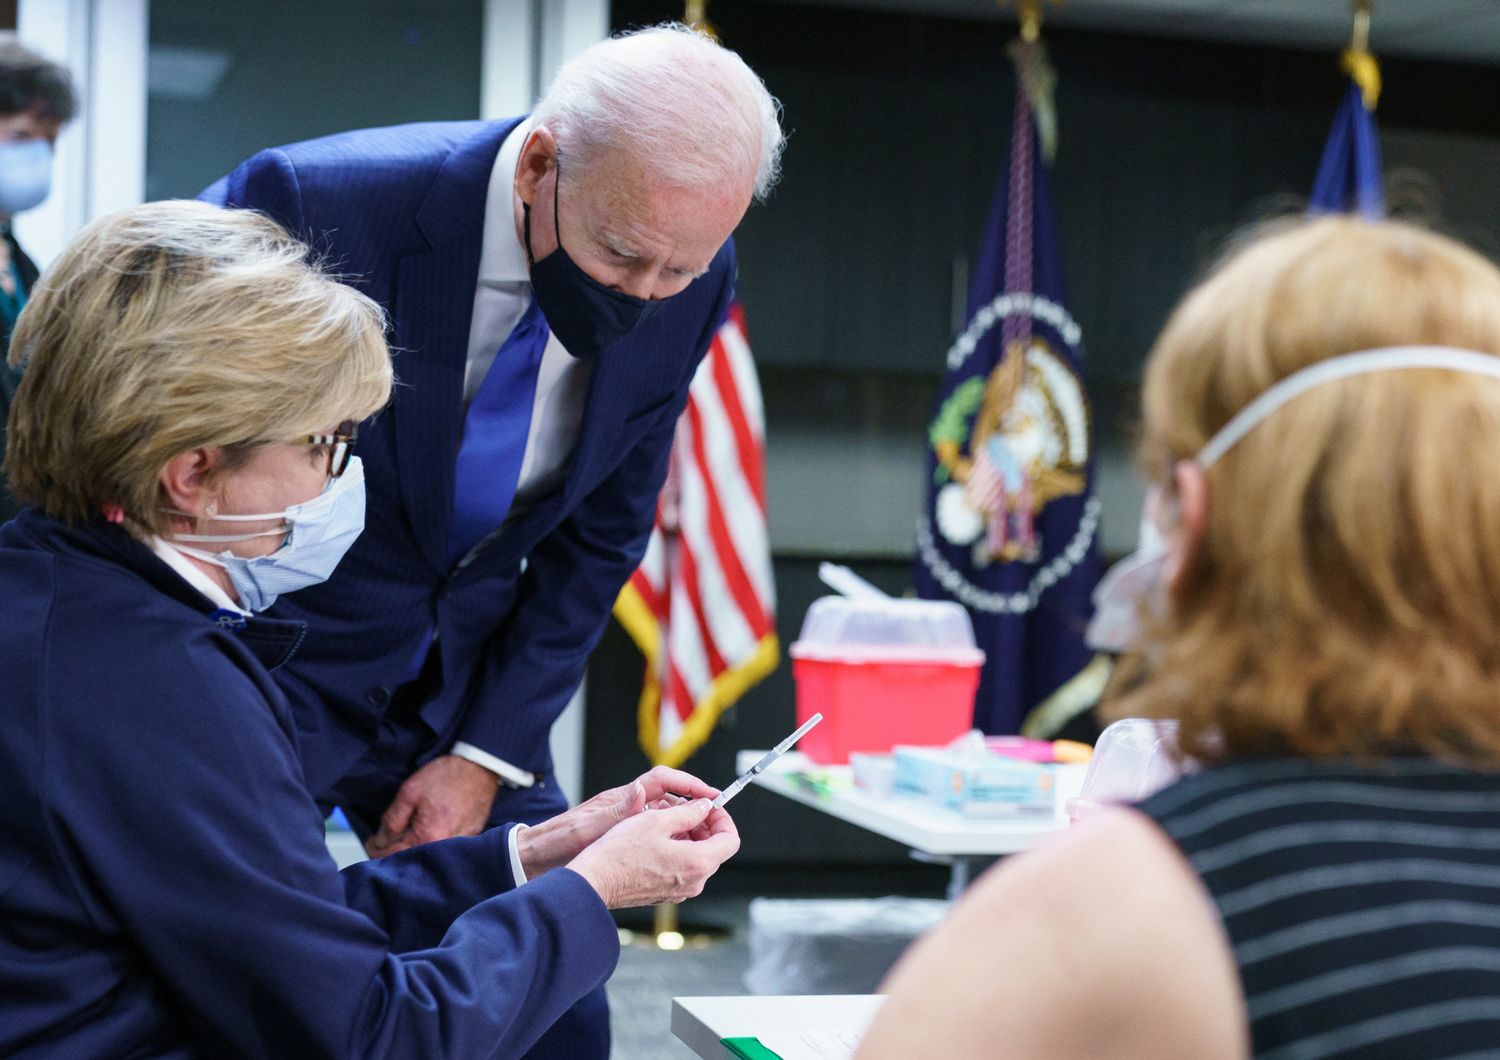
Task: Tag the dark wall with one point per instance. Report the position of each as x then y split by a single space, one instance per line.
298 70
899 126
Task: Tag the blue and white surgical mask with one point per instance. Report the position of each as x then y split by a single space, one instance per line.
1137 582
318 533
25 175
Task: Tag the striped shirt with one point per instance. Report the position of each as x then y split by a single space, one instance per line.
1362 901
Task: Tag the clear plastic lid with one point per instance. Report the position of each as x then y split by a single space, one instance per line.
1132 759
839 626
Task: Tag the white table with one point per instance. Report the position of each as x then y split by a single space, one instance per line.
931 833
699 1022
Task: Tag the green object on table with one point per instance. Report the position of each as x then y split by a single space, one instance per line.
819 783
749 1048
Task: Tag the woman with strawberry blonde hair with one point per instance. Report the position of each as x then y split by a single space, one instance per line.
1321 616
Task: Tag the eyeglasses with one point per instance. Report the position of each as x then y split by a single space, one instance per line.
340 445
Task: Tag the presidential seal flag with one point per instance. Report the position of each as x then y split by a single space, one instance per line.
1008 529
1349 179
702 606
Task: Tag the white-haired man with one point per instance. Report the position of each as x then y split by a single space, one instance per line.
552 284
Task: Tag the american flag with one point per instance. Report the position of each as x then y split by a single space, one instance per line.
702 605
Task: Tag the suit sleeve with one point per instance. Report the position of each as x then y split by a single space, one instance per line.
188 831
416 894
571 581
267 182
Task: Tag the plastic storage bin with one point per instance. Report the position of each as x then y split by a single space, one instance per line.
1132 759
832 946
883 672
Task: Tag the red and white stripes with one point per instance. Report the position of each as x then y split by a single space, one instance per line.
701 607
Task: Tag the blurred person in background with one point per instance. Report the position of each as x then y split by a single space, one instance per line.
36 101
1322 435
183 437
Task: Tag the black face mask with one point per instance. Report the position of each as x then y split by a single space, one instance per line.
585 315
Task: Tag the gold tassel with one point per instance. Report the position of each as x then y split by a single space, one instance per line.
1365 72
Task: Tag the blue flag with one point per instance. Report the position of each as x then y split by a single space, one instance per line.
1349 175
1009 526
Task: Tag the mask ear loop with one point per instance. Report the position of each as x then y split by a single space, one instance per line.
556 224
557 194
233 518
288 516
282 532
284 529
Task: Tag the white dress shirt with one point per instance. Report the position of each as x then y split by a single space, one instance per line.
195 577
502 294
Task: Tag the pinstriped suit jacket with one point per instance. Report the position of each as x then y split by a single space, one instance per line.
399 213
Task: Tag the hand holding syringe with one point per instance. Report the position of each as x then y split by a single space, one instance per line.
776 752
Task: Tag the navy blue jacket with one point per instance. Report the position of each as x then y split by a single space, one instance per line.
399 212
164 887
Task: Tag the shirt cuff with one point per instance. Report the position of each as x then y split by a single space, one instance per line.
516 869
508 774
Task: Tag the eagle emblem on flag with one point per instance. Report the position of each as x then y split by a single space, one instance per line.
1007 446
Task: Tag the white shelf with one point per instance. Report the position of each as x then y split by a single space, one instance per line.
913 824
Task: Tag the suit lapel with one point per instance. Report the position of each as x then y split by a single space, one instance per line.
432 313
431 342
598 435
603 412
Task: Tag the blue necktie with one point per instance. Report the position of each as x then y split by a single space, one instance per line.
495 428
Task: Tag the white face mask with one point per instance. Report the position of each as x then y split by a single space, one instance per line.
318 533
1137 583
1134 583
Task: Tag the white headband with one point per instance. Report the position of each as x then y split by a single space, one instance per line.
1342 367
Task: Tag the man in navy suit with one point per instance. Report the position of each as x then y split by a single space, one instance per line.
552 284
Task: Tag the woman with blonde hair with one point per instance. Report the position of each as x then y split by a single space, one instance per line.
1322 436
184 437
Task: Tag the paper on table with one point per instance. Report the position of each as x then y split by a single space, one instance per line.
811 1045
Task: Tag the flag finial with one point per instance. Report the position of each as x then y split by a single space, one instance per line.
695 15
1029 15
1358 61
1359 36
